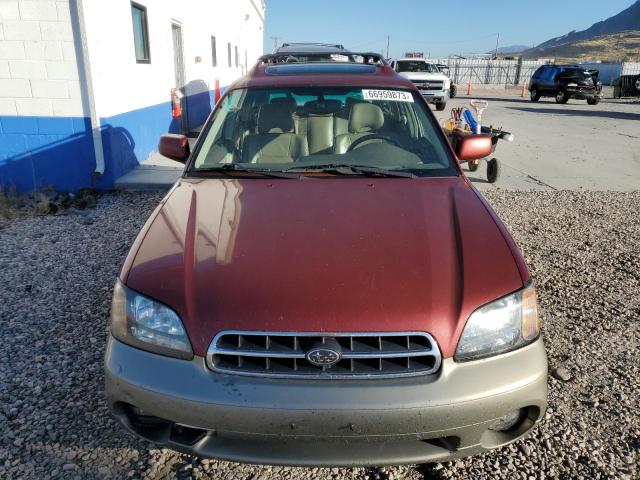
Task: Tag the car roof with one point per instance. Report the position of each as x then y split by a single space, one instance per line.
410 59
372 72
562 66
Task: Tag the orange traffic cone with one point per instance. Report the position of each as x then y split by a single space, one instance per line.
524 88
469 88
216 94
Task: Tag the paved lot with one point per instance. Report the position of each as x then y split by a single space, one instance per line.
574 146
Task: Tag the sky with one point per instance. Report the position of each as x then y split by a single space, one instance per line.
440 28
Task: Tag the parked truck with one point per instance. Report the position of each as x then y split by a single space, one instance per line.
434 85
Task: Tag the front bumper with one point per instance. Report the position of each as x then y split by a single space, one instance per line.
435 96
583 93
185 406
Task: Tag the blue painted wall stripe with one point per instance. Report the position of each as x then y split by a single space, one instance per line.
58 152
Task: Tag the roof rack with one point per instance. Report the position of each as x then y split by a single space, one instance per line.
353 57
295 44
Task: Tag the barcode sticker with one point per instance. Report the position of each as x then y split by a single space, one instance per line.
387 95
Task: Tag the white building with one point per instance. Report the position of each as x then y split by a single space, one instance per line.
86 85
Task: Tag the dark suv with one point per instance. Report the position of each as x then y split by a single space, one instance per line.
564 82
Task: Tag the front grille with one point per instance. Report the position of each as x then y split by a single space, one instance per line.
428 85
279 354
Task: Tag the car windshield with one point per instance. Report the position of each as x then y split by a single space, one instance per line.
306 128
416 66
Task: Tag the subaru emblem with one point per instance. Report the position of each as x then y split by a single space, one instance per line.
324 354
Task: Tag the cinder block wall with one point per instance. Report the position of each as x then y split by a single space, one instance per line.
45 136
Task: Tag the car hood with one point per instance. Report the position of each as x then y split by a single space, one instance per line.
324 254
424 76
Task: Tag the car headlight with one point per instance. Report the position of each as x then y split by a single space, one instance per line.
572 84
447 84
146 324
506 324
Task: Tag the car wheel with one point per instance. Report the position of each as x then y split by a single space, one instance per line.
441 106
561 96
453 91
535 95
493 170
473 165
593 101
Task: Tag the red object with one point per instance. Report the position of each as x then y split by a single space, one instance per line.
524 88
285 255
174 146
473 147
176 105
216 94
469 87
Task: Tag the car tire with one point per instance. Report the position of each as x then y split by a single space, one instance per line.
593 101
493 170
473 165
535 95
440 106
453 91
561 96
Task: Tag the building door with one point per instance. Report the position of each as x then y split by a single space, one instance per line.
178 65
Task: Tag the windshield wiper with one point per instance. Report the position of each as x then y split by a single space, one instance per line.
234 167
346 169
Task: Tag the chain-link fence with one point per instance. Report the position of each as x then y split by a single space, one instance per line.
516 72
485 71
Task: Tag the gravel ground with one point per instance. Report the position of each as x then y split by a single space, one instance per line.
58 271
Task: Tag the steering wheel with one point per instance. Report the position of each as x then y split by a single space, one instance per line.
372 136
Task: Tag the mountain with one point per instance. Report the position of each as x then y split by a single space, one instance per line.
628 19
615 47
614 39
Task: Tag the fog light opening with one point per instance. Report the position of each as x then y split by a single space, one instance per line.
186 435
144 424
508 421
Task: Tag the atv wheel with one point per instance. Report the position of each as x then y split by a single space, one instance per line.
535 95
473 165
562 96
441 106
593 101
493 170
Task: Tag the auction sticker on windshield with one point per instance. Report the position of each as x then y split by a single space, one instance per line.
387 95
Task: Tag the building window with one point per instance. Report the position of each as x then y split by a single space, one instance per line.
140 33
229 53
214 52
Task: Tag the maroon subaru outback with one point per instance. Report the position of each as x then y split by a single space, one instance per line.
323 285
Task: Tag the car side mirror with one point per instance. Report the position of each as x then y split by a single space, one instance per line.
174 146
473 147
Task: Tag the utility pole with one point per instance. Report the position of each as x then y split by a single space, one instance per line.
276 41
387 46
497 42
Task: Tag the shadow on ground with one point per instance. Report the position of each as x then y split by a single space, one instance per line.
581 113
